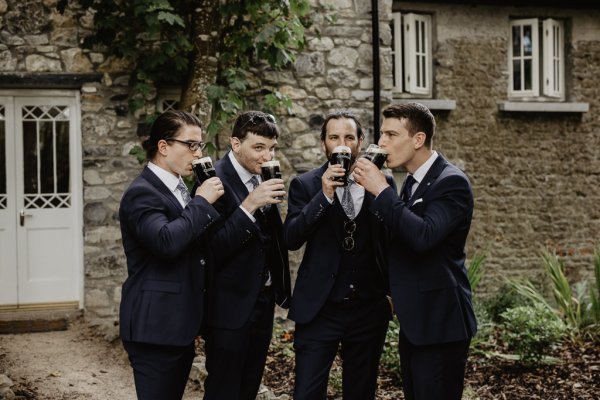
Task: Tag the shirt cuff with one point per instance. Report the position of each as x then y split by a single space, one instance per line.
248 214
328 199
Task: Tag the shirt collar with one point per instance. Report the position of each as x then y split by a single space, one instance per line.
423 169
243 173
171 181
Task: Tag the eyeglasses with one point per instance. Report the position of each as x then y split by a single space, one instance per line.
348 241
192 145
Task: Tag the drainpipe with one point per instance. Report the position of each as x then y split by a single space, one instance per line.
376 77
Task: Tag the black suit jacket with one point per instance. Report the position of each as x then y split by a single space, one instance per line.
428 279
162 299
312 220
239 246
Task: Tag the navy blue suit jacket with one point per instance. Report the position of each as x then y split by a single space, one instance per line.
239 247
312 220
428 279
162 300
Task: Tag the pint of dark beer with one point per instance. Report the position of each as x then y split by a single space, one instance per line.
203 168
376 155
270 170
342 155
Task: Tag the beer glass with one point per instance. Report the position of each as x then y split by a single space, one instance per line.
376 155
203 168
342 155
270 170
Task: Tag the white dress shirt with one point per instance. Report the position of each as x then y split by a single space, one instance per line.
170 180
422 171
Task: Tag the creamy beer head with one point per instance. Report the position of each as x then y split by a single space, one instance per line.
376 155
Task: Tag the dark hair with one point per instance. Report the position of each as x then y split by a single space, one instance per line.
167 126
257 122
418 119
342 115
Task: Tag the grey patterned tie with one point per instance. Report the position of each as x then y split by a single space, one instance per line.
254 182
347 201
185 195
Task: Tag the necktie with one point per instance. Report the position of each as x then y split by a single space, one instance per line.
185 195
347 201
407 190
254 182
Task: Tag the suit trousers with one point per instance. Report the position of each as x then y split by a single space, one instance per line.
235 358
160 372
433 372
360 327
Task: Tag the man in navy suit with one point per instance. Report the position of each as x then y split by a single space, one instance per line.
251 271
162 228
340 293
428 226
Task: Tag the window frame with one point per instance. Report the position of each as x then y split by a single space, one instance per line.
547 60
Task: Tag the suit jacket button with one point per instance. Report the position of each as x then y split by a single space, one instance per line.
202 262
333 275
204 290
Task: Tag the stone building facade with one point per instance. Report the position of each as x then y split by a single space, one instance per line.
535 174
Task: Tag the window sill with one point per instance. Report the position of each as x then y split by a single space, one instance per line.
538 106
432 104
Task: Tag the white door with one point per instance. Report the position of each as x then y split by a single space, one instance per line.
41 248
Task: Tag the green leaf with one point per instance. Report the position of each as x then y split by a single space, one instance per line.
171 19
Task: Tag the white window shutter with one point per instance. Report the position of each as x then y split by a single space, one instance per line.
417 54
553 58
397 51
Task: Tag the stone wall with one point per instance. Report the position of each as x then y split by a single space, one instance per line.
535 175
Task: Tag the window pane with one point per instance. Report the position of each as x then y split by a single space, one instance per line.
516 75
30 160
527 41
417 37
46 147
527 70
62 157
516 39
424 69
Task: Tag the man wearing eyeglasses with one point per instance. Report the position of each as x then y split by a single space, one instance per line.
165 240
251 271
340 293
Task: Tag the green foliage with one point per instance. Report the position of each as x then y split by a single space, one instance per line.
505 298
390 357
575 306
531 331
594 292
156 36
475 270
152 34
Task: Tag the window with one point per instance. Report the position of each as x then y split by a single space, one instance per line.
411 53
167 99
536 59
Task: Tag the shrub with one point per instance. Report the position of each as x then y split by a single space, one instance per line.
390 359
530 331
578 307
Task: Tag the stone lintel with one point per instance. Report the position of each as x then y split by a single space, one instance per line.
47 80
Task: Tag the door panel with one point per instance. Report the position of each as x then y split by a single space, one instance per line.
8 211
47 261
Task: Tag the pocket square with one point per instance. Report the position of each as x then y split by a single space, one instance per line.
417 201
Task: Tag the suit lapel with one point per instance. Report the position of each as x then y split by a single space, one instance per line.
155 181
240 191
436 169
